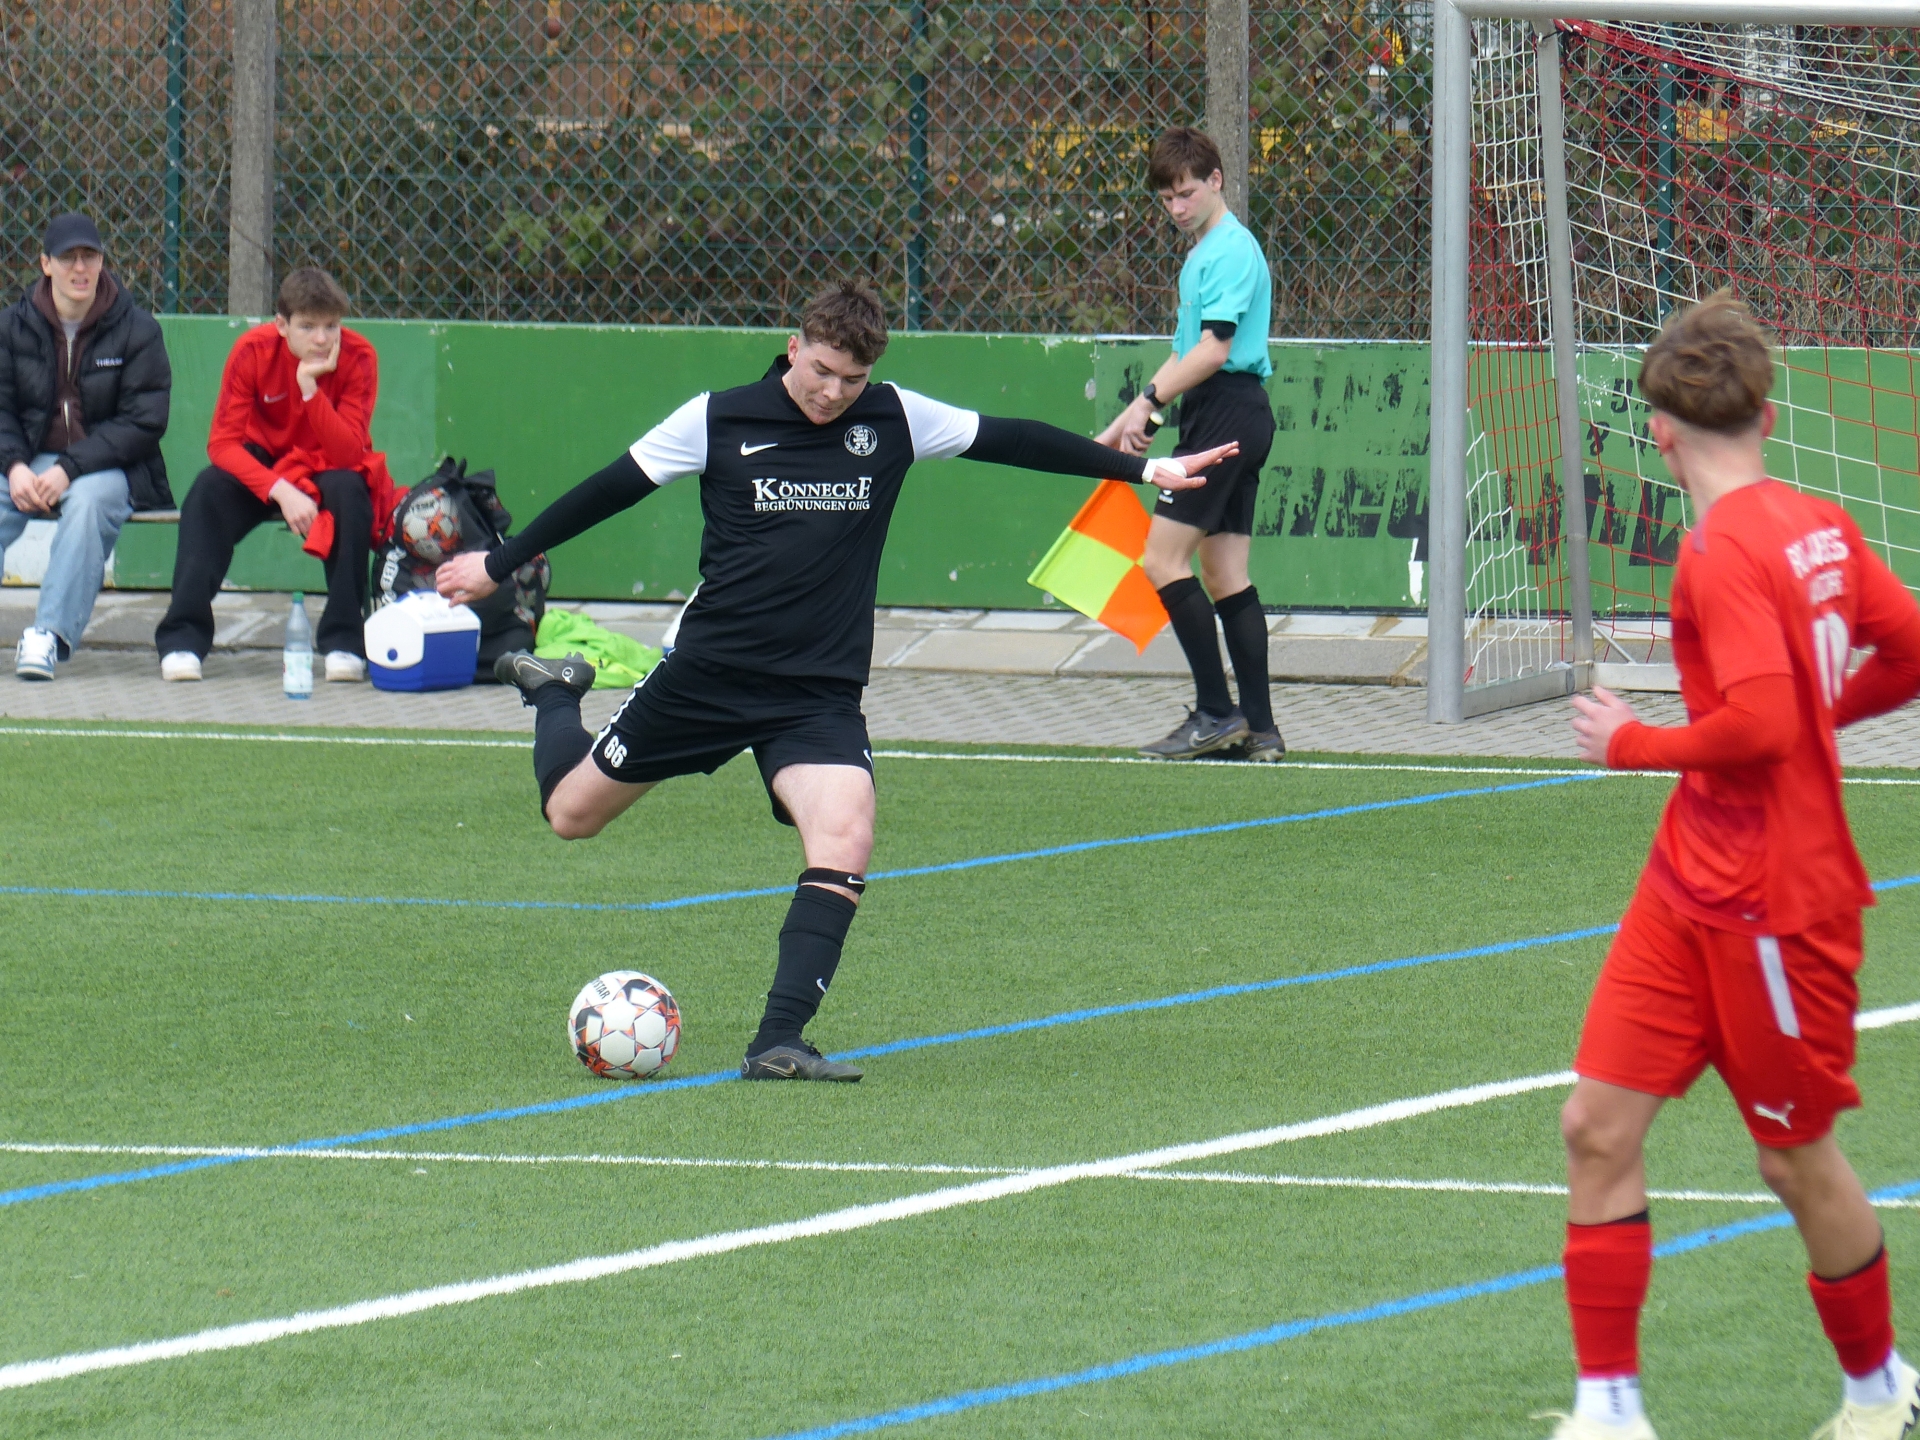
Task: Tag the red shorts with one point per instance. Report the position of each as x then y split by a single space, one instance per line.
1774 1015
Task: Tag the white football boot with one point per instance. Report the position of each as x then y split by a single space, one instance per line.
1571 1427
1898 1419
345 666
180 665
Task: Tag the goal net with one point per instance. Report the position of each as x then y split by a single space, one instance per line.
1782 161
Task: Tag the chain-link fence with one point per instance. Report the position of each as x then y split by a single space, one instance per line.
710 163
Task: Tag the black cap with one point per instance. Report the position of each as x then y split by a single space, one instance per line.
64 232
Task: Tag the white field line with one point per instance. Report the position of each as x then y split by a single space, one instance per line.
281 739
456 1157
1466 1187
876 1167
834 1222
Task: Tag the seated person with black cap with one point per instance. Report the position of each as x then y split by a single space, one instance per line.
84 390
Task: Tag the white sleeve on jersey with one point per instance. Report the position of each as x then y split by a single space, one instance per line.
939 431
677 446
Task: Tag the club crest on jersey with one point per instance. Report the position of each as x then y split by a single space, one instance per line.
861 440
773 495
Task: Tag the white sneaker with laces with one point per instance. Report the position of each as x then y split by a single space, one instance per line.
36 654
1572 1427
1898 1419
344 665
180 665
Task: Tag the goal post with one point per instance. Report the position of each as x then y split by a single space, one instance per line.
1592 169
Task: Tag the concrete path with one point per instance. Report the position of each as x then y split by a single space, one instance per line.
243 688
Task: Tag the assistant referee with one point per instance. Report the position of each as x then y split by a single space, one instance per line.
1218 372
799 473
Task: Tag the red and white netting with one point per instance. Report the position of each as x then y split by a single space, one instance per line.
1781 161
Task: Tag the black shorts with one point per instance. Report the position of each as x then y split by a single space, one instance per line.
688 716
1220 408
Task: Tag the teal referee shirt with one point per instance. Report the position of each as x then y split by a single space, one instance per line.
1226 278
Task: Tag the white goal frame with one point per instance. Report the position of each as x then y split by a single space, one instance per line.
1449 700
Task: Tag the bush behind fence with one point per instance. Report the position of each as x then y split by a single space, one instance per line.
708 163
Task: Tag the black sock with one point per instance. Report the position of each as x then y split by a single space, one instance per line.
1192 620
810 944
560 741
1245 624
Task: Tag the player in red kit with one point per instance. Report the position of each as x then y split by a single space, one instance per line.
1740 946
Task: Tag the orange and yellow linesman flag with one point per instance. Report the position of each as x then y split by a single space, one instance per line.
1095 565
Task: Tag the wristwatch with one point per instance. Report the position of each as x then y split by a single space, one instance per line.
1156 417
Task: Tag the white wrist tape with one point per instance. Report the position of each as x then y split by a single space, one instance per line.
1172 469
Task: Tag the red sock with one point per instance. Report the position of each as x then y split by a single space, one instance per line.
1856 1311
1607 1271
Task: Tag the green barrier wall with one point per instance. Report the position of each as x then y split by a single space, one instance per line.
1343 499
1343 502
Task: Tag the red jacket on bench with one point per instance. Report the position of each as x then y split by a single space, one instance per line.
260 405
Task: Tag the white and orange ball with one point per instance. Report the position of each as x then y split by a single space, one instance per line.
624 1025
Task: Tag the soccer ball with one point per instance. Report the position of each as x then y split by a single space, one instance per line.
624 1025
430 526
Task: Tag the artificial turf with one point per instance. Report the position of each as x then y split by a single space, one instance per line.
159 1020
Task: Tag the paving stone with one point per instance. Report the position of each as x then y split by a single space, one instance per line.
1003 652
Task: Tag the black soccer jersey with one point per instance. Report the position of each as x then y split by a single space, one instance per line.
796 517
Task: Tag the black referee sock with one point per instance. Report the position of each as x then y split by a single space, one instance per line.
560 741
1192 618
810 944
1245 625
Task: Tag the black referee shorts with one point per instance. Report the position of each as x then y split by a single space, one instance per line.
689 716
1220 408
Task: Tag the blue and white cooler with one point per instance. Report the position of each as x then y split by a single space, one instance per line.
420 642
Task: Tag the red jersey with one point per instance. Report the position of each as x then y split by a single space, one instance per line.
1771 583
260 405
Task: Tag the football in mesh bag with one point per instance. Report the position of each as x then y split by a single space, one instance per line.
624 1025
430 526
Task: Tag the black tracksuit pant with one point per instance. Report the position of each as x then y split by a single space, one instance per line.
218 514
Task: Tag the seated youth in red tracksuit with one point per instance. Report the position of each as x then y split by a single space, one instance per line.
290 439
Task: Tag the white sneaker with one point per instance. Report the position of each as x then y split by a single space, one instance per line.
35 656
346 666
180 665
1895 1420
1573 1428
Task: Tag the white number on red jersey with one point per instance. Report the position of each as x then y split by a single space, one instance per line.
1832 647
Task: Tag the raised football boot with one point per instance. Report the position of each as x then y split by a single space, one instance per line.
1199 734
798 1061
1571 1427
527 672
1898 1419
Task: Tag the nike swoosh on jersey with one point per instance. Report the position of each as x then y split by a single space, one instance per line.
273 399
746 449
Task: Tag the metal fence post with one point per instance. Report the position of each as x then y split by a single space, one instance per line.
250 233
1447 484
1566 356
1227 63
917 173
176 148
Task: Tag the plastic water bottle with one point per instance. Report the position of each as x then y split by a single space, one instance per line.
297 658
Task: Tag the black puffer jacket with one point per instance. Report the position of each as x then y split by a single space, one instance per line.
125 385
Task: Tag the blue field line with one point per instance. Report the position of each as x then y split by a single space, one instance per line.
1079 847
1290 1330
894 1047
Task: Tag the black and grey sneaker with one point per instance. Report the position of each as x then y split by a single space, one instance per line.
1259 745
798 1061
527 672
1199 734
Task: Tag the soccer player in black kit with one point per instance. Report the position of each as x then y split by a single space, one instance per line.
799 473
